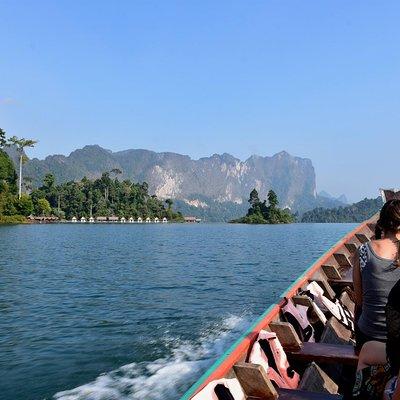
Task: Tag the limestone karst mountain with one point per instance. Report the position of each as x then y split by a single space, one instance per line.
199 186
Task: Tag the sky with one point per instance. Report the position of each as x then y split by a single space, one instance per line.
319 79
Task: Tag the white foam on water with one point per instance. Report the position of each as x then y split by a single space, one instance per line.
166 377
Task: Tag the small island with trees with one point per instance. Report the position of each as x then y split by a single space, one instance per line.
262 213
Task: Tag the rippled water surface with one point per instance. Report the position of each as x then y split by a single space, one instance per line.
136 311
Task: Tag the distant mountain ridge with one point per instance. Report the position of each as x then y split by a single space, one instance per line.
198 185
342 198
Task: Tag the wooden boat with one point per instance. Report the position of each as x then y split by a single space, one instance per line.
326 366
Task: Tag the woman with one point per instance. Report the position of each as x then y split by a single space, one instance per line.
374 276
376 270
379 364
392 391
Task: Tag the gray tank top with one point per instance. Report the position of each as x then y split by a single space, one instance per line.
378 276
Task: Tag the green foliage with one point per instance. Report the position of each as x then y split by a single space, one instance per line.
272 199
254 199
251 219
7 201
24 205
21 143
8 187
8 176
261 213
42 207
356 212
12 219
101 197
3 140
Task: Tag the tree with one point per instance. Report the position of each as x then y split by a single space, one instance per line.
105 183
272 199
20 145
116 171
3 140
24 205
42 207
169 203
8 176
49 181
254 198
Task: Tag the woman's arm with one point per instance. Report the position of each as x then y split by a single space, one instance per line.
357 283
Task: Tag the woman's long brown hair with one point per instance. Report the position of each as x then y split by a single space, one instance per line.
389 222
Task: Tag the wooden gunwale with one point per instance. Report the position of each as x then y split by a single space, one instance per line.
242 346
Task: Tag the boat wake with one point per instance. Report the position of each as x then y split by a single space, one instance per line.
167 377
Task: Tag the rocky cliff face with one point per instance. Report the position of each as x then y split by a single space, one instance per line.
220 178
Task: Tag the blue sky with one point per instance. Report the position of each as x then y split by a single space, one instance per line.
320 79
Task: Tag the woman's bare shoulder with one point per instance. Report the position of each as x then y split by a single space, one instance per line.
382 247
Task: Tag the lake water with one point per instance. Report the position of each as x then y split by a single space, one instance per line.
136 311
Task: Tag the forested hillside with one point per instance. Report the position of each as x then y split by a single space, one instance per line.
106 196
356 212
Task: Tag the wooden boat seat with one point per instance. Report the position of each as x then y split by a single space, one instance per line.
342 259
335 333
324 353
338 278
331 272
257 386
362 237
352 246
341 283
286 394
371 226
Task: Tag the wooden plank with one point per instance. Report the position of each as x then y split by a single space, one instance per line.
346 278
286 334
324 353
331 272
371 226
254 381
335 333
288 394
302 300
351 247
341 282
362 238
342 260
257 386
315 379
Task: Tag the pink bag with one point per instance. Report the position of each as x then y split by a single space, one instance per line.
296 315
268 352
